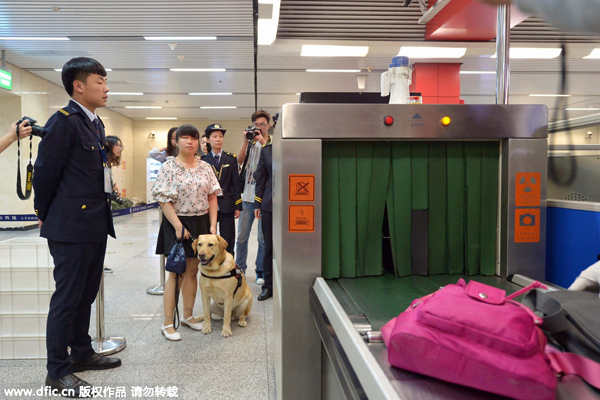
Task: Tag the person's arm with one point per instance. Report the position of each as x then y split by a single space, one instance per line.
237 193
158 155
242 153
11 136
213 209
169 212
261 176
53 154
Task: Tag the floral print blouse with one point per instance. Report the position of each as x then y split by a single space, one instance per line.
187 189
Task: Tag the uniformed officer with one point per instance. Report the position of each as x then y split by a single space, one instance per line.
263 210
225 166
72 183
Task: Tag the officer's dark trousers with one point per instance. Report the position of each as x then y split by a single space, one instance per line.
78 268
266 218
227 230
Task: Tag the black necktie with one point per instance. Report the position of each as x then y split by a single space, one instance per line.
217 161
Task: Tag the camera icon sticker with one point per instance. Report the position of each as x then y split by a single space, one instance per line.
527 225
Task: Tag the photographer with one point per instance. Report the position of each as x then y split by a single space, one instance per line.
11 136
255 138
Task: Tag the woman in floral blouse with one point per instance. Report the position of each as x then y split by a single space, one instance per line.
186 189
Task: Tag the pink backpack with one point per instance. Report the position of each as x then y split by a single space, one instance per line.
475 335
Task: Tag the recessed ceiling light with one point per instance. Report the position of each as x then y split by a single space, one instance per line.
432 52
333 70
169 118
216 107
582 109
532 53
143 107
126 93
180 38
32 38
594 54
310 50
211 94
478 72
197 69
549 95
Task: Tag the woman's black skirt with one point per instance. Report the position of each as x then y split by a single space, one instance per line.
196 225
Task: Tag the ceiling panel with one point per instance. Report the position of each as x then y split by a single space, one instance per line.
112 32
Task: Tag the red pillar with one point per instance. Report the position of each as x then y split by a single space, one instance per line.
438 83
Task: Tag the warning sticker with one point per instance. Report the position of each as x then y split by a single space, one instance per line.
302 187
527 225
301 218
527 189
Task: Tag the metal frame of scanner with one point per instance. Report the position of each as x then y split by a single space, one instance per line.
521 131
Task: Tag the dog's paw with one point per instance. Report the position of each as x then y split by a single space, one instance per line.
242 323
206 329
226 332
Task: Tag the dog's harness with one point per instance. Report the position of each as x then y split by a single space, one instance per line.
234 273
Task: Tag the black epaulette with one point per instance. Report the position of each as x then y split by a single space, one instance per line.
63 112
230 154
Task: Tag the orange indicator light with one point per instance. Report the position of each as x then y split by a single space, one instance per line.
446 121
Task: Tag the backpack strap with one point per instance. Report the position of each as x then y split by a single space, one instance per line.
569 363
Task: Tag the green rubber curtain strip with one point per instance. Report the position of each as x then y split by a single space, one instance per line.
330 239
455 206
437 207
489 205
473 207
419 168
399 210
378 182
347 208
364 164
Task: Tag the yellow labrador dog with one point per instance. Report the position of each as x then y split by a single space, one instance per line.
222 282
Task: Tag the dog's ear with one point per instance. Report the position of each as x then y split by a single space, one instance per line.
195 245
223 243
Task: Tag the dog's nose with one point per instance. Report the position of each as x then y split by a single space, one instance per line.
202 255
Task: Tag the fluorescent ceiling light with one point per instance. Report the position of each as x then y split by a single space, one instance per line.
216 107
549 95
32 38
180 38
197 69
582 109
169 118
267 28
594 54
126 93
532 52
210 94
432 52
478 72
333 70
143 107
310 50
108 69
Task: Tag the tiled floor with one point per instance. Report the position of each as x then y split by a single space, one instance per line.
198 367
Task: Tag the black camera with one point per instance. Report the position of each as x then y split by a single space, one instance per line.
35 129
527 220
114 196
252 132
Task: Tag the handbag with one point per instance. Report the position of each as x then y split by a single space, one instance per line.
571 320
474 335
176 260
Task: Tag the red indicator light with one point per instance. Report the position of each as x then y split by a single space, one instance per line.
388 120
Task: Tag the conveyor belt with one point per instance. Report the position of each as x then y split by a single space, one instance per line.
382 298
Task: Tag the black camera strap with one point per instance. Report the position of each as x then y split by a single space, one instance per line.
28 182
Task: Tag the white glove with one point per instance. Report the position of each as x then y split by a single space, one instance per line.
589 279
